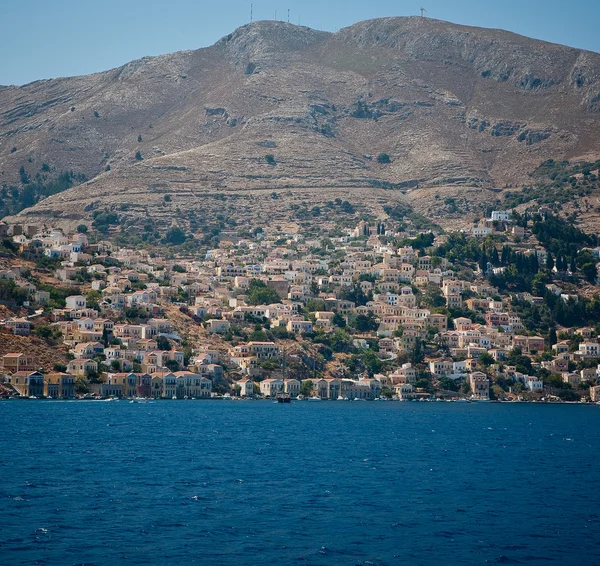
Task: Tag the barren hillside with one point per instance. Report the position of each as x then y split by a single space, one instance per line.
276 108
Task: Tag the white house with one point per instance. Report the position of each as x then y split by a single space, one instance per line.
501 215
76 302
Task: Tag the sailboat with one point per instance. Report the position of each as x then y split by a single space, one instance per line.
282 396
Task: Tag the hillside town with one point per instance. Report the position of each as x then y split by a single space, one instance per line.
378 311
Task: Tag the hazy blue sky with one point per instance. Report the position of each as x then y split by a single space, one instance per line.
52 38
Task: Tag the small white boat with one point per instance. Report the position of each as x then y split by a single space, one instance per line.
314 398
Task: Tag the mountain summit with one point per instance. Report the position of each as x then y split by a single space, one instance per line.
386 109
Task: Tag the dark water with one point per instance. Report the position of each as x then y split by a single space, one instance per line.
178 483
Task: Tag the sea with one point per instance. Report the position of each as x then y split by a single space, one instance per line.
261 483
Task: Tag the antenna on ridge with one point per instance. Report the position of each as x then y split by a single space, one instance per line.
422 12
251 9
288 15
275 15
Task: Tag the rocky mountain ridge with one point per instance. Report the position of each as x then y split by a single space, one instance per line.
277 108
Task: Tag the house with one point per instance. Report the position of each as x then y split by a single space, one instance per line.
111 390
88 350
18 362
533 383
161 325
169 386
270 387
76 302
441 368
81 367
573 379
246 387
589 350
28 384
263 350
299 326
406 374
192 385
328 388
501 215
156 386
19 326
127 381
291 387
59 384
404 391
480 385
217 326
144 385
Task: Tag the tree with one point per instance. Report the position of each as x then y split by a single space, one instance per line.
175 236
105 336
24 175
417 355
306 388
387 392
270 159
82 386
260 294
60 367
82 228
44 332
173 365
569 395
163 343
138 156
354 294
140 138
383 158
339 320
589 272
366 322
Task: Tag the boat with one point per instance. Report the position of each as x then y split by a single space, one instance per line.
283 398
314 398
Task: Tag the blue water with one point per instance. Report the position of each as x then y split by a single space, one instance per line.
193 482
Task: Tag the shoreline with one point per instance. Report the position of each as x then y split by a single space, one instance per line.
461 401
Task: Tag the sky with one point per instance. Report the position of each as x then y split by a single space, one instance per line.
42 39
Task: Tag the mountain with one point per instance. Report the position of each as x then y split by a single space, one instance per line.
276 117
